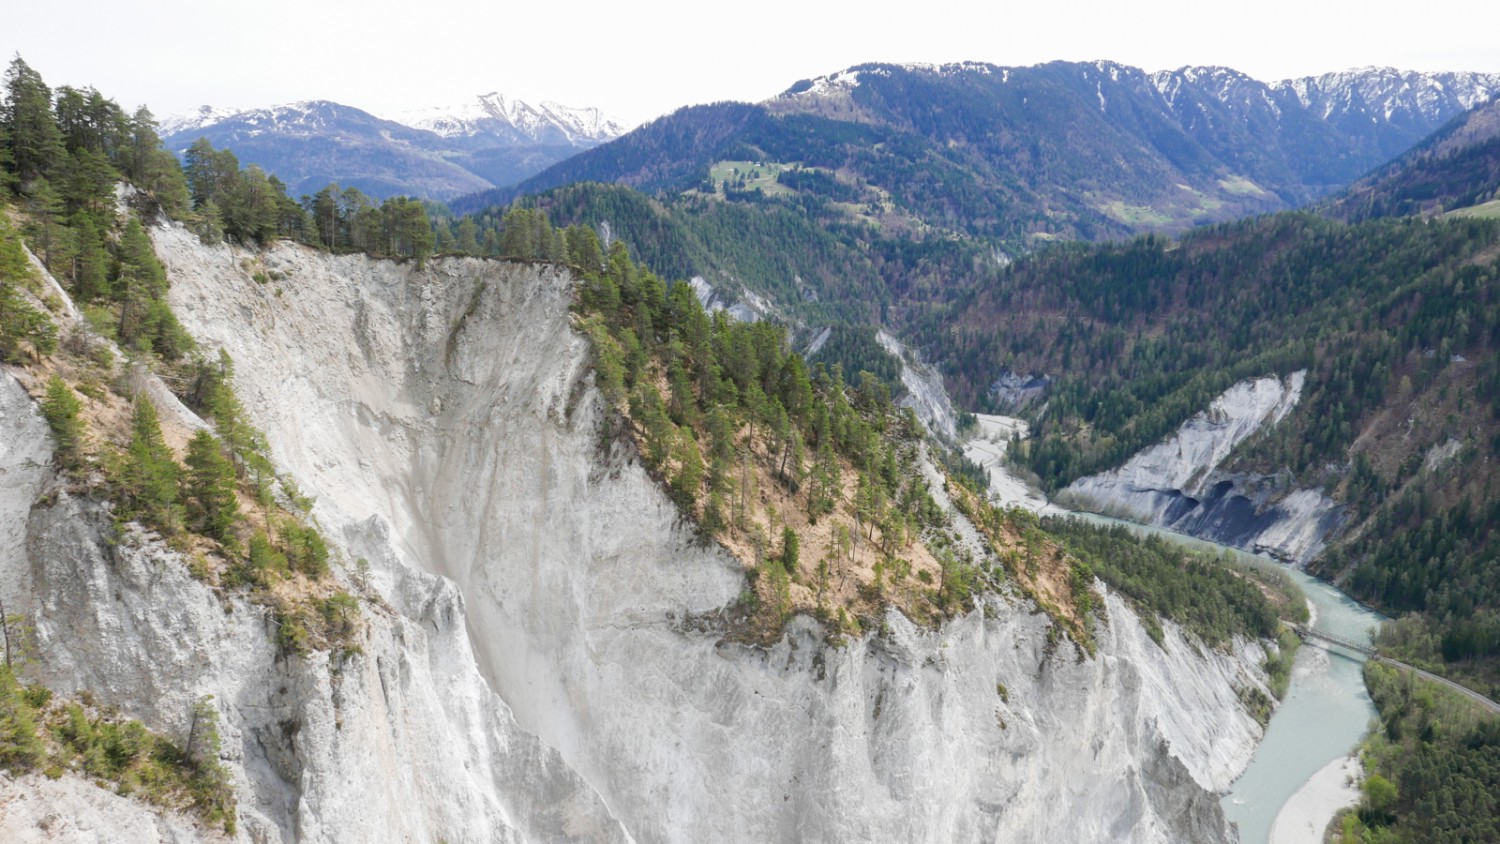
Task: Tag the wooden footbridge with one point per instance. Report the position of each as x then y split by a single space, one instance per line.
1309 634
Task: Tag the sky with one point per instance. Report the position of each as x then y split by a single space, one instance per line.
638 60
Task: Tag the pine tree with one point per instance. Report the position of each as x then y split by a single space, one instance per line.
210 174
583 248
264 557
790 550
36 144
45 229
468 237
149 475
209 223
139 267
87 182
326 216
7 159
519 236
19 321
249 207
209 488
688 481
306 550
229 416
90 271
61 407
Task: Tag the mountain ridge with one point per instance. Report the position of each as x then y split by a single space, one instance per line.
1092 150
1456 170
499 116
435 153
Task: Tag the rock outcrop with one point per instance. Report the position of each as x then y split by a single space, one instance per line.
1177 483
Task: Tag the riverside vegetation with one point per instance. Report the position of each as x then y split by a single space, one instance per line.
1433 767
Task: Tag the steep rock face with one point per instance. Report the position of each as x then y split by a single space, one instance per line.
35 808
1177 483
453 408
25 452
401 740
925 393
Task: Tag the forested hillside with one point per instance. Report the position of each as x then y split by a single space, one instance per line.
1457 168
1397 322
798 254
815 482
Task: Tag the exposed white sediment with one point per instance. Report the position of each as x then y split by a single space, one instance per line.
925 392
1305 817
988 447
543 665
1177 483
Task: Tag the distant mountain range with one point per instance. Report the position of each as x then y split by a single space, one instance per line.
1456 171
434 153
1060 150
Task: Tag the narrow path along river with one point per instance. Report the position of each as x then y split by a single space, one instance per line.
1301 774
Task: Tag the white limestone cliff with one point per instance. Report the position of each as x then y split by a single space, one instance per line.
543 660
445 419
1177 483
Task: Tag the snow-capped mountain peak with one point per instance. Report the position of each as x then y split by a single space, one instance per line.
1396 91
204 115
497 115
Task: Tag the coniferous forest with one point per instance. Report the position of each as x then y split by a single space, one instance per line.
783 439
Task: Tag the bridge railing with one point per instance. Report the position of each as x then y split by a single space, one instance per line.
1309 633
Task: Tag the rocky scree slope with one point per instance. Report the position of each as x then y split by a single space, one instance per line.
399 737
1177 483
446 421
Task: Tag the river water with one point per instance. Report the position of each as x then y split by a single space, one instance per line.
1295 782
1323 718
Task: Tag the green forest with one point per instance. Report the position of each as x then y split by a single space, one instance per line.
1433 767
805 466
1396 322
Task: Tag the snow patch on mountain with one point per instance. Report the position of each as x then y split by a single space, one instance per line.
298 119
204 115
494 113
1394 92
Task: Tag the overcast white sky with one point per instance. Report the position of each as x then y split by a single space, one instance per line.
641 59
